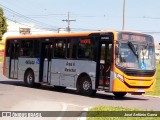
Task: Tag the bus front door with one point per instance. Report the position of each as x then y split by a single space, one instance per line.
104 65
14 60
46 61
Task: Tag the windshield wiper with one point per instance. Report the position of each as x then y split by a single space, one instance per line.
131 46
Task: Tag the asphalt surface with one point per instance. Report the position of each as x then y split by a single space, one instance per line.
15 96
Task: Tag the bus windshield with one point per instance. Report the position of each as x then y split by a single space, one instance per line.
147 56
141 57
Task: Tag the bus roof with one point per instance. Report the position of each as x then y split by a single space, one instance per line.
74 34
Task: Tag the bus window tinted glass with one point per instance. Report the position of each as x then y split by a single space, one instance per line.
60 49
36 48
15 50
26 48
85 49
8 48
72 48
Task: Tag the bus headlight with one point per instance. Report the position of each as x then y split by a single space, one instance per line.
120 77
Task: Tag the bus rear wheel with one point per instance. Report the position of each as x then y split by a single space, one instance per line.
119 94
29 78
85 86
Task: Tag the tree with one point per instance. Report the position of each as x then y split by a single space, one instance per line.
3 23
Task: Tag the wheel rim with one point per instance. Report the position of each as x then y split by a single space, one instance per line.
29 79
86 85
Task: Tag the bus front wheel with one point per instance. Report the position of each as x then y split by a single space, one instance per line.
85 86
119 94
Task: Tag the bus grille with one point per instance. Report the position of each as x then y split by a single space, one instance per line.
139 73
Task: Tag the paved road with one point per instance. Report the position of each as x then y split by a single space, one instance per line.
15 96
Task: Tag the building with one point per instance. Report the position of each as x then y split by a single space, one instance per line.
15 28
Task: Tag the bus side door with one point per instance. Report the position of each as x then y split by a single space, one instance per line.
46 61
15 46
104 64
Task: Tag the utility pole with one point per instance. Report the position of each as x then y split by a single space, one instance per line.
68 20
124 14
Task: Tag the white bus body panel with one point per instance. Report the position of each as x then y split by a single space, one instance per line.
49 73
45 70
14 68
7 66
25 63
66 72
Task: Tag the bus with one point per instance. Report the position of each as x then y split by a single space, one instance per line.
119 62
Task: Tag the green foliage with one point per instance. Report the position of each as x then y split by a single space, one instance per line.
101 113
156 92
3 24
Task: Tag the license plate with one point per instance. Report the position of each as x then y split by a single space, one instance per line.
140 90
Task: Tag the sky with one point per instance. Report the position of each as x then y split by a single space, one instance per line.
141 15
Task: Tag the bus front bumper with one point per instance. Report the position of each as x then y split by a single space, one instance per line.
133 86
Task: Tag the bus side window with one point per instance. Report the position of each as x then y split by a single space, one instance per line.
8 48
86 49
60 48
26 48
17 47
72 48
36 48
14 49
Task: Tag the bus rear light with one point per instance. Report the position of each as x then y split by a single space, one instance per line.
120 77
107 82
100 82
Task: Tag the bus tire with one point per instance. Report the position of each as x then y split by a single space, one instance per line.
119 94
85 86
29 78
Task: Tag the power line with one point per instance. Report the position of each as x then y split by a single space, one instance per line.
31 30
40 24
45 15
68 20
85 29
17 22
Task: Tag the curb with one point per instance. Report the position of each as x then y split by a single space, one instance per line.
84 114
152 96
145 95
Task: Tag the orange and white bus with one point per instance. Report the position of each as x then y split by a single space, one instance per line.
114 61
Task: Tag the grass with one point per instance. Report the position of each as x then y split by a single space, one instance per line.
108 113
156 92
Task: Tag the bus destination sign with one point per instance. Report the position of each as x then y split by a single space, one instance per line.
135 37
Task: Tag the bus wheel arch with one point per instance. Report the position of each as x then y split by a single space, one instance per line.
84 85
